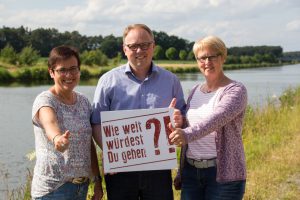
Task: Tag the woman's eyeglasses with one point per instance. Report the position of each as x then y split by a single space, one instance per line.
64 71
210 58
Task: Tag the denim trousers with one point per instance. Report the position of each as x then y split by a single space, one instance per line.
142 185
201 184
68 191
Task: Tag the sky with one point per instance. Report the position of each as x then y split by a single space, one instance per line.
236 22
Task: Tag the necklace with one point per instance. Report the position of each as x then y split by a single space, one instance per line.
205 89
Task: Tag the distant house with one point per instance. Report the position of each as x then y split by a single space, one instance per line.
291 56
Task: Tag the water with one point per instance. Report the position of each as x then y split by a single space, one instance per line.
16 131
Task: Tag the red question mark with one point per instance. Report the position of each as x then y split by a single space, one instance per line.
157 126
168 132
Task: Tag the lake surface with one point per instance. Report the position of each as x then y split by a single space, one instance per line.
16 131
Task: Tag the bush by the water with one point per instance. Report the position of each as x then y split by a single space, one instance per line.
5 75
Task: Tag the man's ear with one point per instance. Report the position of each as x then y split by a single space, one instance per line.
124 49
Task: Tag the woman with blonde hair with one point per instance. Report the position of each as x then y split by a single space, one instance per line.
212 160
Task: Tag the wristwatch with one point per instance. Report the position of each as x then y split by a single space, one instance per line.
97 178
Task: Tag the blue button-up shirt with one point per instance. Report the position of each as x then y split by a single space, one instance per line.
120 89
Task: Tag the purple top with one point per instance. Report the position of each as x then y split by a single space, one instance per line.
227 121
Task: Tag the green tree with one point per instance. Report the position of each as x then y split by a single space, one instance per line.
269 58
257 58
94 57
74 39
44 40
158 53
171 53
117 60
111 45
13 37
28 56
8 54
191 55
166 41
233 59
182 54
245 59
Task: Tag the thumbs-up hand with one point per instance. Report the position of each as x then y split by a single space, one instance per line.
177 136
177 117
61 142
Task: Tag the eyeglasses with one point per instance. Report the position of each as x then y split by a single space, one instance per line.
210 58
64 71
143 46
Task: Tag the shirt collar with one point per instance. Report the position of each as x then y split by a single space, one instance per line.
152 69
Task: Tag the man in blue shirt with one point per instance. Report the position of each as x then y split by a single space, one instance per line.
139 84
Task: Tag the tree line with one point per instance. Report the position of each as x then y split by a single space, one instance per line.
96 50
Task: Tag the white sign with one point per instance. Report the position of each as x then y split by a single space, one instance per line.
137 140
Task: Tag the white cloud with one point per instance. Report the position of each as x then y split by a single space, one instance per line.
2 7
293 25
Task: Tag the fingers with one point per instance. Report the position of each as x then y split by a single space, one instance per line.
177 137
177 118
66 135
62 143
170 126
173 103
173 136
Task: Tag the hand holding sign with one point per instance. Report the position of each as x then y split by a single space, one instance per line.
177 136
177 117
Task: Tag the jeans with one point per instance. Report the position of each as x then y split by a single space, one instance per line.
201 184
143 185
68 191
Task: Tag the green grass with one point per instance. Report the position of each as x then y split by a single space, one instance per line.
272 146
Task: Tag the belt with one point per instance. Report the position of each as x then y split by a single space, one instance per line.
202 163
79 180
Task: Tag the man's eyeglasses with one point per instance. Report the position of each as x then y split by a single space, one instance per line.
210 58
64 71
143 46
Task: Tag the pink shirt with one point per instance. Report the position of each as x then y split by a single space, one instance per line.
201 106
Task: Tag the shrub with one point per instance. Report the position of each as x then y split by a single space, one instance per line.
171 53
191 56
24 74
183 54
5 75
117 60
28 56
40 74
94 57
8 54
158 53
84 74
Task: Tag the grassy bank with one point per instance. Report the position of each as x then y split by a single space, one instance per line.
271 138
39 73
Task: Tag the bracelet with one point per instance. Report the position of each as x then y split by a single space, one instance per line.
55 137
